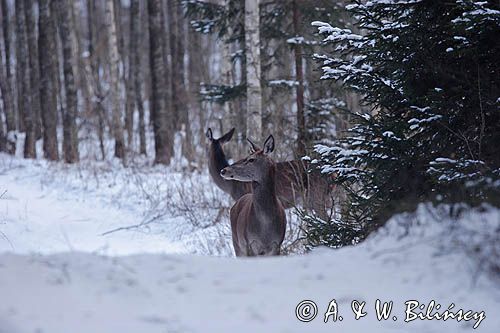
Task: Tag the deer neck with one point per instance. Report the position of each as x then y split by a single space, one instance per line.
264 193
216 162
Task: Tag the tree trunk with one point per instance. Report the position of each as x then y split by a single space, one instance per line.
116 105
7 84
92 76
182 100
66 31
130 98
162 122
24 87
254 89
229 118
81 78
179 103
48 85
299 77
197 74
34 67
135 73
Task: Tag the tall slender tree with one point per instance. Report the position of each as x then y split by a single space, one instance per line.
177 32
23 80
116 105
33 65
66 32
6 83
162 120
254 89
299 77
135 77
48 84
197 75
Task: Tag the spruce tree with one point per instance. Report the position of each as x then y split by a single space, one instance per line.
429 71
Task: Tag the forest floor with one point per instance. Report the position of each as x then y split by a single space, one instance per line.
96 247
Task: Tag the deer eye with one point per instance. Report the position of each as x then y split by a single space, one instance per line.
251 160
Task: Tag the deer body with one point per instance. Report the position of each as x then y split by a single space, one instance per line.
258 219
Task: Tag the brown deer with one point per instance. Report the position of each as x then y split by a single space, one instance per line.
258 219
217 161
294 184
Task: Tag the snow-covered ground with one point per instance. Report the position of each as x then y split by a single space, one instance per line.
62 270
105 209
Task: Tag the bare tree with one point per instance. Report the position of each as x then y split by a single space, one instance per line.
135 77
130 99
162 121
177 50
34 66
116 105
299 76
197 74
48 84
254 89
66 32
23 80
6 83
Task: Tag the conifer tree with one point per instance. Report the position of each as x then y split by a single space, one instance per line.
429 71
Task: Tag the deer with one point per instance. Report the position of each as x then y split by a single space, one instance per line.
294 184
217 161
258 220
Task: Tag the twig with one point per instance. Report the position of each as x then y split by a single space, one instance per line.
7 239
1 195
134 226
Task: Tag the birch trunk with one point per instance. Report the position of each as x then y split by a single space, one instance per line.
252 52
116 105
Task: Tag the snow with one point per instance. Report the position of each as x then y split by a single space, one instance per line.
49 208
59 274
286 83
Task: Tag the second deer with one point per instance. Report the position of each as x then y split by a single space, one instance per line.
258 219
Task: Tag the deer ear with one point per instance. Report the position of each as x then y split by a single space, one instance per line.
209 134
253 147
269 145
226 137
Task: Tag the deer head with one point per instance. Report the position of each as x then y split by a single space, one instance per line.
253 168
217 143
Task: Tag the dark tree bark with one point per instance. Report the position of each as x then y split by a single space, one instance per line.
34 66
132 64
6 84
180 102
299 76
135 74
66 31
162 122
167 26
23 79
48 84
